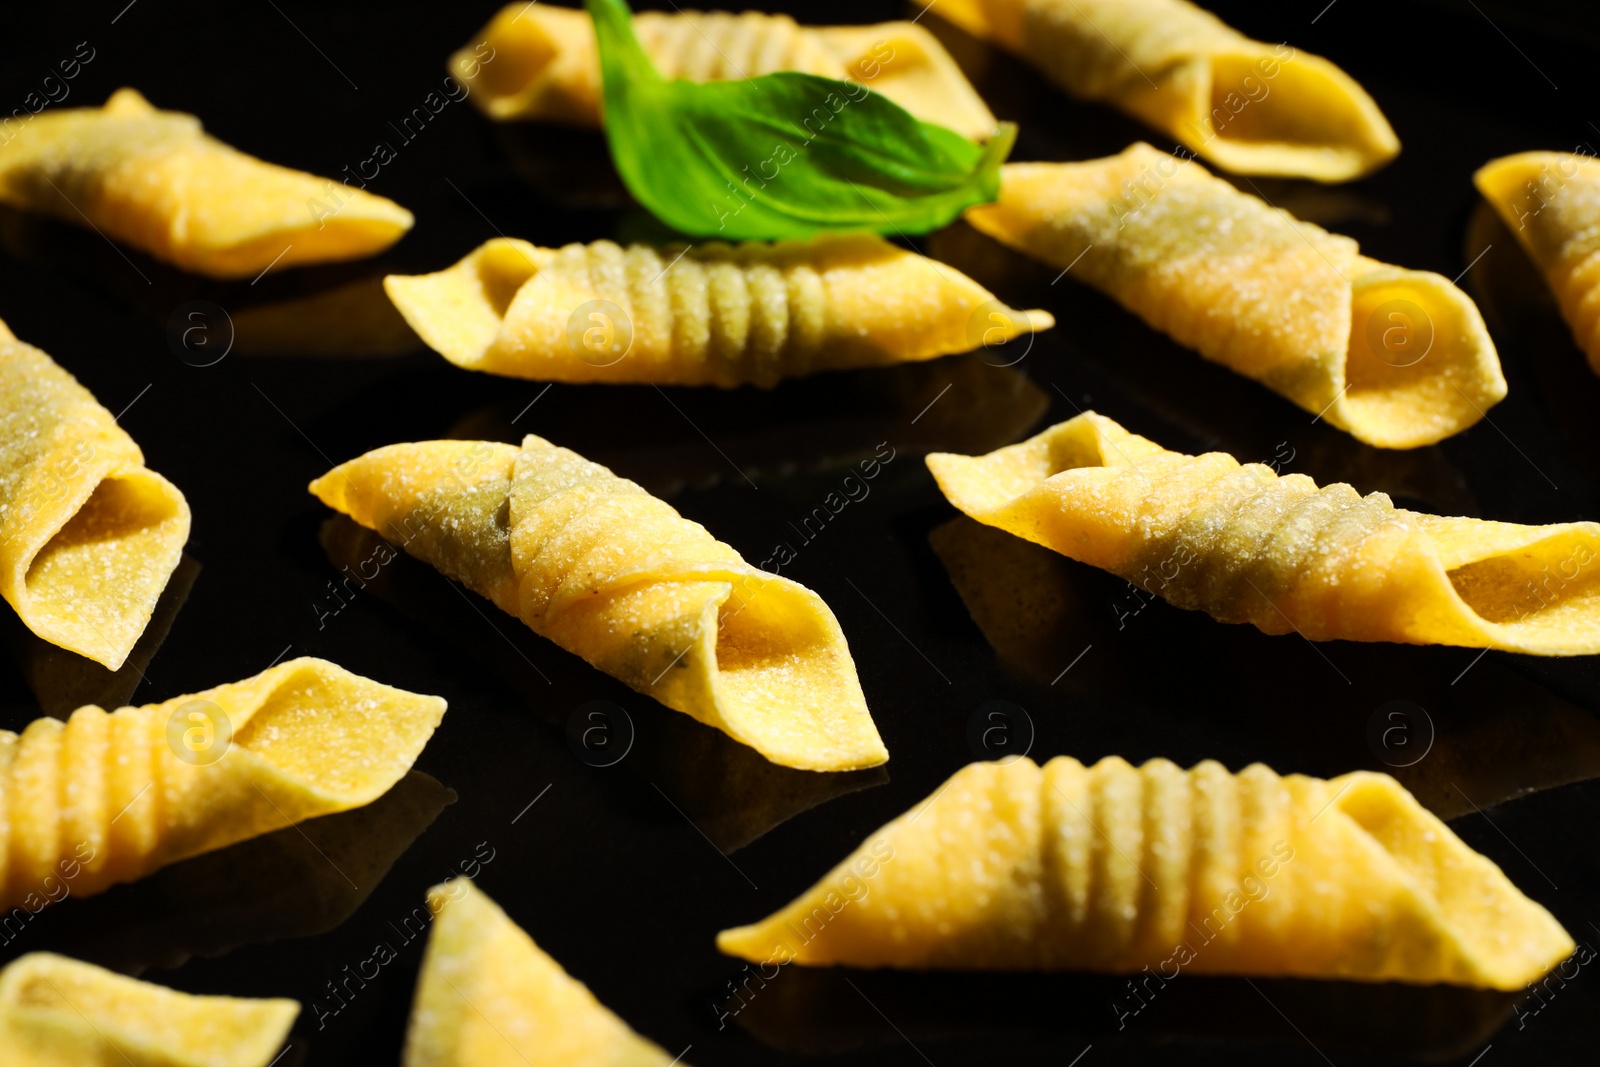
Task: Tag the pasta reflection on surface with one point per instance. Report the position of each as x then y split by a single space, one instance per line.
1027 600
63 681
729 791
845 418
813 1011
337 310
300 881
1499 738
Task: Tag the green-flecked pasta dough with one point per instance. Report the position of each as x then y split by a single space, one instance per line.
1243 544
1013 866
1397 358
609 572
713 314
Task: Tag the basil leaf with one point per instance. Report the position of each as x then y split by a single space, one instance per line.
782 155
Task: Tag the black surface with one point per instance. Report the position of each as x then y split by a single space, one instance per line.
606 870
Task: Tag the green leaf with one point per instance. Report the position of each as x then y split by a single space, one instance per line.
783 155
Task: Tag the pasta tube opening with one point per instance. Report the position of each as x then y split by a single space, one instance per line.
778 679
1474 908
1308 119
56 1010
1540 592
317 725
710 314
1247 545
122 543
514 77
458 312
1420 363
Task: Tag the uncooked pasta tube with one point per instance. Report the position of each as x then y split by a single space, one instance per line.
714 314
534 61
1398 358
1013 866
1247 106
156 181
1243 544
609 572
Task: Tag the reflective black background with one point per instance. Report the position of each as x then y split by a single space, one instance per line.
625 872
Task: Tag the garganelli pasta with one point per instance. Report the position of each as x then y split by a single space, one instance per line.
59 1012
88 534
714 314
109 797
1551 201
1397 358
609 572
1013 866
1247 106
1245 545
542 62
489 997
156 181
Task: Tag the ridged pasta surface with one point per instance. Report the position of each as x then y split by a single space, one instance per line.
609 572
1398 358
1244 544
714 314
88 535
1010 866
109 797
542 62
1551 201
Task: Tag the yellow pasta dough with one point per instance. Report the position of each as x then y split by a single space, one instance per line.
541 62
88 535
109 797
155 180
1398 358
1247 106
714 314
1013 866
489 997
1245 545
609 572
59 1012
1551 201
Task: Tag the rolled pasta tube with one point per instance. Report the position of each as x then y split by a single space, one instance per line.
488 996
608 572
1245 105
156 181
542 62
1397 358
60 1012
109 797
88 535
714 314
1243 544
1013 866
1551 201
